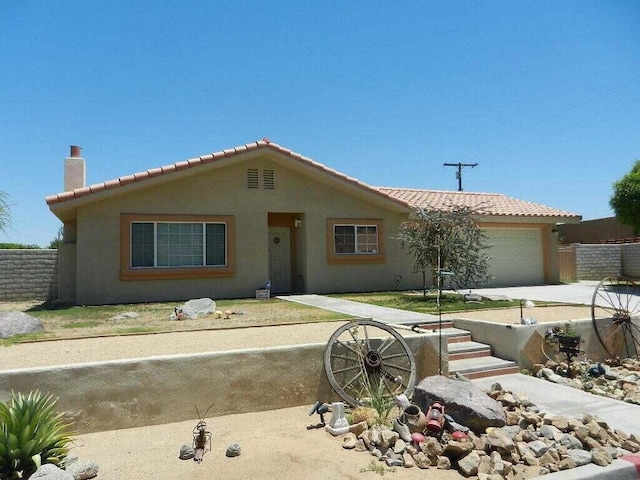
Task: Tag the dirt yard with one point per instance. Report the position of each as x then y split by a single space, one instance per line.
542 314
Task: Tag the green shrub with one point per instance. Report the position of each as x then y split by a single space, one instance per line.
32 433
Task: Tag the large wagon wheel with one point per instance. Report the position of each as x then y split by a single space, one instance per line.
615 312
366 355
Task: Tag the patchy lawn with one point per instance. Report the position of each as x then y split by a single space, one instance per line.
416 302
78 322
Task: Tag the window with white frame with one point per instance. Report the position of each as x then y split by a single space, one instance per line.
178 244
355 239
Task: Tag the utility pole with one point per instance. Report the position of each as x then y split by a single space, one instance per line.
459 172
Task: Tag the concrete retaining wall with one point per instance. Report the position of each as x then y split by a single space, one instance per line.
150 391
28 274
525 344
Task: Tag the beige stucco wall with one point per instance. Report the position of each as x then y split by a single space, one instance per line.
525 344
223 191
149 391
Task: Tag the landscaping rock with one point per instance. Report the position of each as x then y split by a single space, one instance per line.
464 401
469 465
186 452
83 469
18 323
49 471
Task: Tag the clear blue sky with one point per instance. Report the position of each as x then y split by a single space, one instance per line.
544 95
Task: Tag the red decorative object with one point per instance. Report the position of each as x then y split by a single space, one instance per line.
435 417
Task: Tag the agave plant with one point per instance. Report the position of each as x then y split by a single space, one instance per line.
32 432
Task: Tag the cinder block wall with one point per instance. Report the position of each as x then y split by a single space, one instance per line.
631 260
28 274
594 261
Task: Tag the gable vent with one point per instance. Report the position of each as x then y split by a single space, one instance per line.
252 178
268 179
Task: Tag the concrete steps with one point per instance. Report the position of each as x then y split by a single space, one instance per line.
469 358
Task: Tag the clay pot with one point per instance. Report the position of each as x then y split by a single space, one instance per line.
414 418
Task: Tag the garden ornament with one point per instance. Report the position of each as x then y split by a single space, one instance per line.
201 437
320 408
435 417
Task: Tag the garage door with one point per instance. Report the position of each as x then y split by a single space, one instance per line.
516 256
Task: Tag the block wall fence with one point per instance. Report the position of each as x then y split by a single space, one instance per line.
29 274
596 261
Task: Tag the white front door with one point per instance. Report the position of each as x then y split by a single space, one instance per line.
280 259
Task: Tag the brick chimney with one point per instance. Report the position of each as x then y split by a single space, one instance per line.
75 174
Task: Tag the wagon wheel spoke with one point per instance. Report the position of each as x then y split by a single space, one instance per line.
615 304
361 354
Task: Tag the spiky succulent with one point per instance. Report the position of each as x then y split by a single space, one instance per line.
32 432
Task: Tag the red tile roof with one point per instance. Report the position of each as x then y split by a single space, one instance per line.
494 204
213 157
491 203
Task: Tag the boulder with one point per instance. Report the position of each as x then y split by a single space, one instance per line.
49 471
465 402
17 323
83 469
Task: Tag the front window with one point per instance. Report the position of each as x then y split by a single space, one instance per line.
355 239
166 247
178 244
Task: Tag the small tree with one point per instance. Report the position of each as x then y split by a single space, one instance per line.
625 200
5 215
450 240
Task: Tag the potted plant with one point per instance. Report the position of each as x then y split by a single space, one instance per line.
568 340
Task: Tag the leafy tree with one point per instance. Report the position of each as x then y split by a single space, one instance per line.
5 215
55 243
625 200
447 239
17 246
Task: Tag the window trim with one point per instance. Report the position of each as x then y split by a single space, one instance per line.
128 273
334 258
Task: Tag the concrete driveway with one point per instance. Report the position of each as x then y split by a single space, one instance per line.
578 293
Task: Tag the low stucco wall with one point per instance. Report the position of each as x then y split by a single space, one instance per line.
524 344
149 391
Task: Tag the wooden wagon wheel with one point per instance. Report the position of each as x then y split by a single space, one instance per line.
615 312
366 354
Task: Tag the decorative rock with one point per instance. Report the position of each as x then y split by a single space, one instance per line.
498 439
388 437
83 469
601 457
393 462
570 442
566 464
580 457
186 452
349 441
233 450
201 306
469 465
358 428
443 463
421 460
49 471
17 323
464 401
455 450
399 446
360 446
407 460
538 448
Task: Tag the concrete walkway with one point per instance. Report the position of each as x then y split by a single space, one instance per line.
362 310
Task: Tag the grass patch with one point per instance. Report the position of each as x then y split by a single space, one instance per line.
81 324
451 302
92 321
